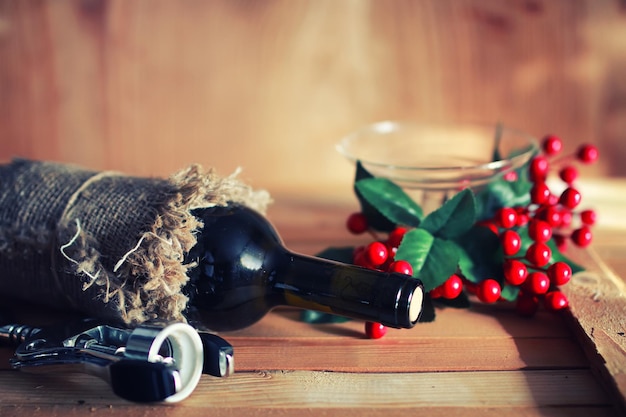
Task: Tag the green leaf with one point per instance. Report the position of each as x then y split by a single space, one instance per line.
390 200
510 292
502 193
455 217
415 247
361 173
480 255
374 218
433 259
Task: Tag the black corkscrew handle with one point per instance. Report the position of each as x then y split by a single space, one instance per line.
149 363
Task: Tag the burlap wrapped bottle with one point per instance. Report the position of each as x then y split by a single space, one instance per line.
102 243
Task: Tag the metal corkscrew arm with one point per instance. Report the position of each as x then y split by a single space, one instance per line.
16 334
149 363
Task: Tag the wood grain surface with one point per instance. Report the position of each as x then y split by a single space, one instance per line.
148 87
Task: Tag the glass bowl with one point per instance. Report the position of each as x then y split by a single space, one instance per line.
431 162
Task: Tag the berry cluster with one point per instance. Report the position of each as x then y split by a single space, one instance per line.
559 210
528 263
524 233
530 270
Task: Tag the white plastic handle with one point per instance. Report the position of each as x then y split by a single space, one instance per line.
186 349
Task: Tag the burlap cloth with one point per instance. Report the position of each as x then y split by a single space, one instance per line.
102 243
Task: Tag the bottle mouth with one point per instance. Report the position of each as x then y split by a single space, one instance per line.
416 301
408 303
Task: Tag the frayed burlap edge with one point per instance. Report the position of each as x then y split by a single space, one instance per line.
146 283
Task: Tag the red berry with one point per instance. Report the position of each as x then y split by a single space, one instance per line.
587 153
537 283
488 224
561 242
569 174
510 176
506 217
375 330
452 287
488 291
553 200
359 258
539 193
403 267
522 220
570 198
395 237
357 223
588 217
527 304
538 254
554 216
511 242
582 237
539 230
559 273
376 253
538 169
551 145
436 292
566 218
556 300
550 214
522 216
515 272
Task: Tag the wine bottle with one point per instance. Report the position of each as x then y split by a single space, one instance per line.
242 270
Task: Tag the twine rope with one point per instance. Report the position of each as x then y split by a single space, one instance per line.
70 202
93 277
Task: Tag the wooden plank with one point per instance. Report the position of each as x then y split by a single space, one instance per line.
335 389
479 338
349 354
442 354
229 411
598 317
320 390
499 320
484 337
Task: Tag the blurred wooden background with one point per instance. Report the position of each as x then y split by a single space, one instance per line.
149 86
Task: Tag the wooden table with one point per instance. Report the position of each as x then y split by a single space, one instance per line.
482 361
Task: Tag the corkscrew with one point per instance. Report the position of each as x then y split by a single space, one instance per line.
149 363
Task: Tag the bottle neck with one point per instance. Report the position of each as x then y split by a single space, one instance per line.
392 299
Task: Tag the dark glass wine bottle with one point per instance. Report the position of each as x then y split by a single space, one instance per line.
243 270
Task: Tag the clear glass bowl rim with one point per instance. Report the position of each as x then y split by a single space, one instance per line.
390 125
